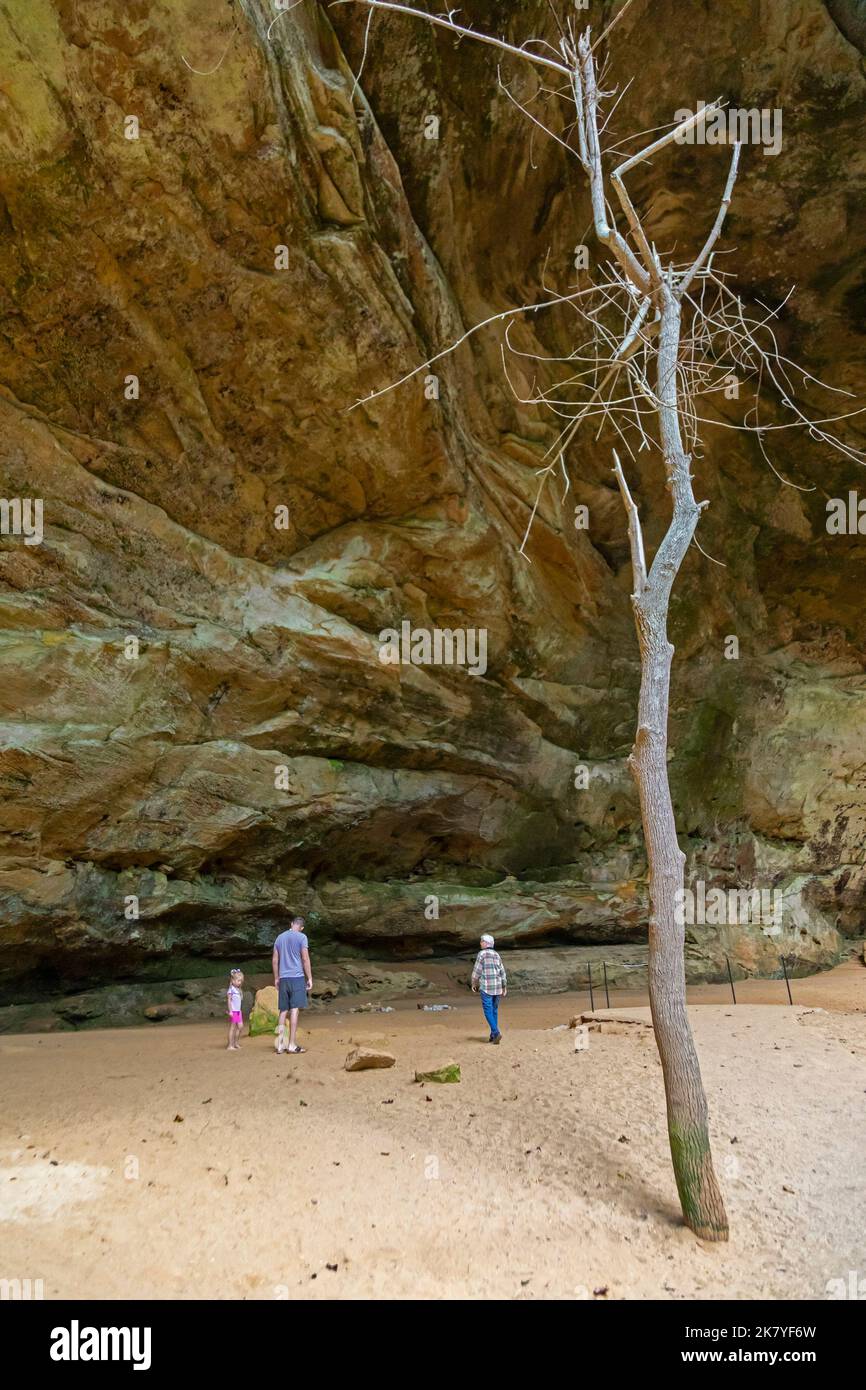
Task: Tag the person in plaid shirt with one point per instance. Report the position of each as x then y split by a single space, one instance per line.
488 976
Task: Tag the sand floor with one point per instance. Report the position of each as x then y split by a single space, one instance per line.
150 1163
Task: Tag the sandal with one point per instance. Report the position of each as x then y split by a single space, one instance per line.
296 1049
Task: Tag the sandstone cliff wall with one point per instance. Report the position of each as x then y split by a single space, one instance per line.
154 258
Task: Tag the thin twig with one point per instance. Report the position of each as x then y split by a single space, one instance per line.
635 534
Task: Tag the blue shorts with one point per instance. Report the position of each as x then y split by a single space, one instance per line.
292 994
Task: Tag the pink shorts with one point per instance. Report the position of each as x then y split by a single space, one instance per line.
236 1016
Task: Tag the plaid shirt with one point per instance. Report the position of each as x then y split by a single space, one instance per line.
488 972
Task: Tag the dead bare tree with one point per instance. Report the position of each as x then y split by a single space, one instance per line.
660 335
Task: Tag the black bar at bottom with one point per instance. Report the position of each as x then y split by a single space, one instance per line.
78 1338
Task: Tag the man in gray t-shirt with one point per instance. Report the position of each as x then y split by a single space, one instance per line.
293 979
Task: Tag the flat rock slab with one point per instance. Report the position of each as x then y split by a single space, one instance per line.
368 1059
610 1021
450 1072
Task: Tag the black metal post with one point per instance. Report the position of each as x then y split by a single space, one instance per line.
606 990
731 978
591 995
787 981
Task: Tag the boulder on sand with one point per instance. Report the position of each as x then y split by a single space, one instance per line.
368 1059
325 989
265 1014
158 1013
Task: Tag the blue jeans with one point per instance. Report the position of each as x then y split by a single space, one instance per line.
490 1005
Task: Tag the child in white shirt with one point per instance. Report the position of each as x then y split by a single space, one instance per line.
235 1001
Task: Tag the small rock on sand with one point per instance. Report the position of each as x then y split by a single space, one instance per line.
367 1059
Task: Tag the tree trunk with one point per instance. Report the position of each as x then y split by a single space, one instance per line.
700 1198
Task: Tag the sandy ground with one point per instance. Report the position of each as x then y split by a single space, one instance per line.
150 1163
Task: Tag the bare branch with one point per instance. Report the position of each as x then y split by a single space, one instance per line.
452 347
717 225
446 22
604 230
616 19
534 119
635 533
681 129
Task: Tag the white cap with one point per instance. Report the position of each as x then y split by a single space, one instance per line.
487 939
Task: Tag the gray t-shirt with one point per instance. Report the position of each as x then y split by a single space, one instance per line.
288 947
